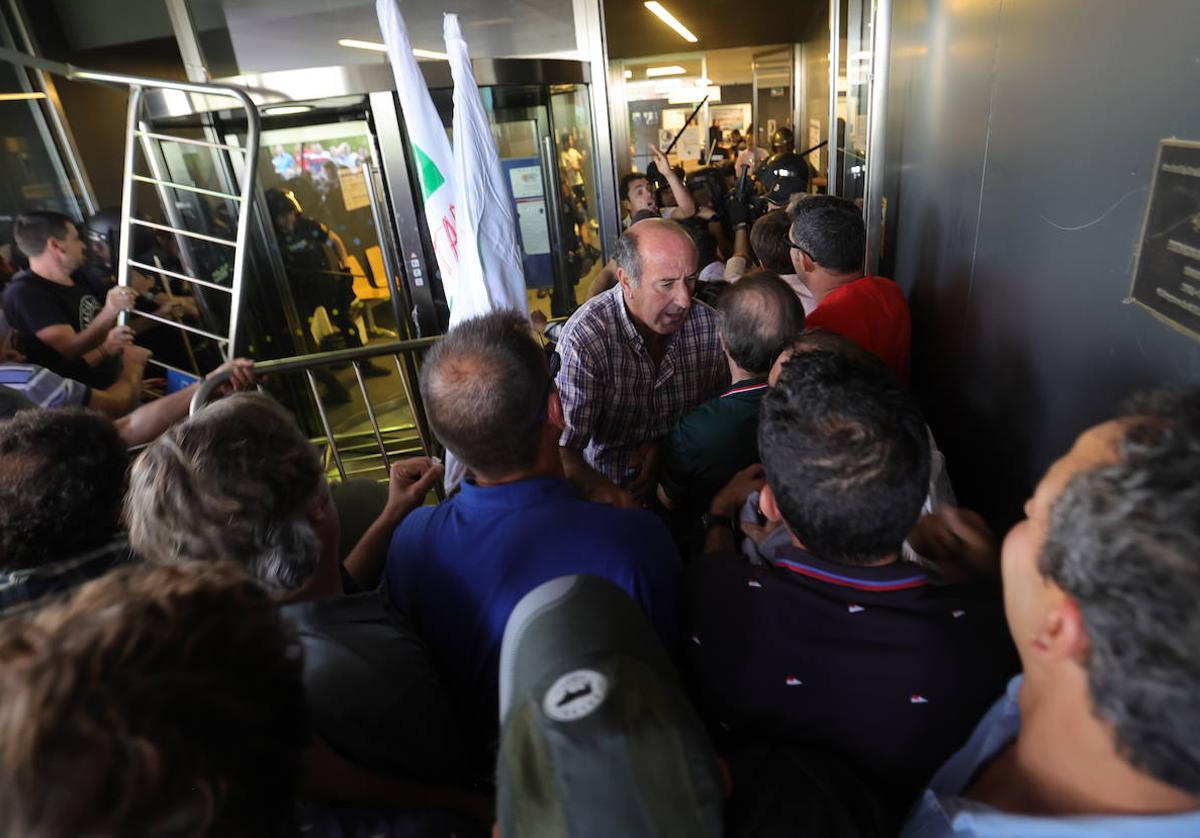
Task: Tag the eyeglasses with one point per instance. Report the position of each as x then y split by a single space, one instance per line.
795 246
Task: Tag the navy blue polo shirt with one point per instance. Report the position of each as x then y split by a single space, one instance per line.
457 570
878 663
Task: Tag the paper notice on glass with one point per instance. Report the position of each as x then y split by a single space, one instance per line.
535 233
526 182
354 188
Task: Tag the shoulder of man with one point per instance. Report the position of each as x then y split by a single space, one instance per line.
592 322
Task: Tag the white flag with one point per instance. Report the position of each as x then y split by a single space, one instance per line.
435 162
489 261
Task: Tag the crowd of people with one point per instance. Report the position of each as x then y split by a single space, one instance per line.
706 576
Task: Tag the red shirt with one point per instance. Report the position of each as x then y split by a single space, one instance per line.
873 313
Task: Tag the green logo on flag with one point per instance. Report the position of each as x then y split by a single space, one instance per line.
431 176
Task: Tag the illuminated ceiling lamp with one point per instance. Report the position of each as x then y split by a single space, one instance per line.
670 20
287 110
375 46
658 72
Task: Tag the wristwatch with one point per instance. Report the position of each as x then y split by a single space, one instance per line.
708 520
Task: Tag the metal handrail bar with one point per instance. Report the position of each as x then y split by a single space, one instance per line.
198 190
362 388
333 449
166 228
169 322
297 363
170 138
370 443
184 277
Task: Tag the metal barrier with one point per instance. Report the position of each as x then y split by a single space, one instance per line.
138 132
307 363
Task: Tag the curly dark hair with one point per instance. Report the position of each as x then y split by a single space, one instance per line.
157 701
1124 544
62 478
847 455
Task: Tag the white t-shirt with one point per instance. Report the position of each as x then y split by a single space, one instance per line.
571 159
736 266
750 157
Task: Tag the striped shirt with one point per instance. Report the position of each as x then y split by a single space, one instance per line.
613 395
43 387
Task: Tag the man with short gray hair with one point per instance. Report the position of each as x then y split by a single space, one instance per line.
633 360
458 569
239 481
757 317
1100 735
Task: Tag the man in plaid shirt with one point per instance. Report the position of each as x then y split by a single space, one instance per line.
632 361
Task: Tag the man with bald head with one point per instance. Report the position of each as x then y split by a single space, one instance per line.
456 570
757 318
633 360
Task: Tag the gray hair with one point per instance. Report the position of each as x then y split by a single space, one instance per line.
1124 544
232 482
485 386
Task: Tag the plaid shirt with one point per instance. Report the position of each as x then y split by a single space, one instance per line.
614 398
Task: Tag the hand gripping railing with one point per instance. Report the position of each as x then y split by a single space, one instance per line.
354 356
137 131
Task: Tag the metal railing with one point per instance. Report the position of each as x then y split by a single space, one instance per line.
354 356
138 133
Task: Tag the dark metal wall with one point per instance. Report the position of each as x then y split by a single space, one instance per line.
1021 138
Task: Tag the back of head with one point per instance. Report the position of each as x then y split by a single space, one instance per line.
823 340
1124 544
769 240
642 215
32 230
157 702
831 231
232 482
62 477
485 386
758 316
847 456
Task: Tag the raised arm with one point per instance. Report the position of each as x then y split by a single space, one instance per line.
683 196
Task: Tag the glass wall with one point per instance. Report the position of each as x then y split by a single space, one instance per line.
32 171
854 95
544 139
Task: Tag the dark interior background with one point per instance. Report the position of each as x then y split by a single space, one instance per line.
1021 140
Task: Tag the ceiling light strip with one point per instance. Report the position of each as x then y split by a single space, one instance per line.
670 20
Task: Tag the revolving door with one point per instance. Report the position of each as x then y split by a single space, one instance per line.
340 252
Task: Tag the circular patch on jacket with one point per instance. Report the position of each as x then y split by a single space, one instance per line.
575 695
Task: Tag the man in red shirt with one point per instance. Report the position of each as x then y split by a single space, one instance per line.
828 241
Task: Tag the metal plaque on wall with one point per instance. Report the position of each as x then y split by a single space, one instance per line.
1166 272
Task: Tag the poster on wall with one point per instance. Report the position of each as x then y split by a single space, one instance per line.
729 117
691 143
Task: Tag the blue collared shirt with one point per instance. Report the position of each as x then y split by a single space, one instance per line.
942 811
457 570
